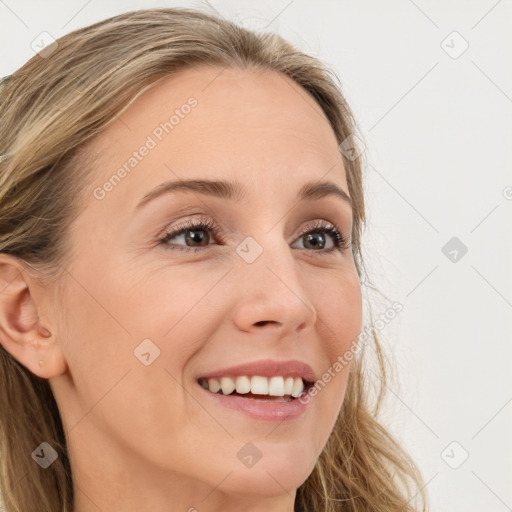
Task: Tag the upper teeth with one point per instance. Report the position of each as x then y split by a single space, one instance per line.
257 385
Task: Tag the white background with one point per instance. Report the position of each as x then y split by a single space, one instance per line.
438 134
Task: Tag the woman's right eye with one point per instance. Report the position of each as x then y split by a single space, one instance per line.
193 232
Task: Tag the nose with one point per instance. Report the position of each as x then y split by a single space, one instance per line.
272 296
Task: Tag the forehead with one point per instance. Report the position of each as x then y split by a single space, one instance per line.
253 125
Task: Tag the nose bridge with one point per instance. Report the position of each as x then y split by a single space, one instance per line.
272 290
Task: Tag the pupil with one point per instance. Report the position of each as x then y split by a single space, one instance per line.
311 239
196 236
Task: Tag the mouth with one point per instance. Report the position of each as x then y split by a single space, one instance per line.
257 387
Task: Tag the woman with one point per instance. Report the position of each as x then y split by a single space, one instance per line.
180 263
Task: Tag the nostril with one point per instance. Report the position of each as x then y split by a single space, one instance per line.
264 322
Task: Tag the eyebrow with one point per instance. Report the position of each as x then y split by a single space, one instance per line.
236 191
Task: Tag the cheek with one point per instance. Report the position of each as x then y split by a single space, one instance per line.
339 307
105 325
339 310
177 308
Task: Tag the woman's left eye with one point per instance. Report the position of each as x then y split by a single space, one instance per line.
197 233
314 236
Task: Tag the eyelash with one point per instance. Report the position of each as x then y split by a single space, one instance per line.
340 242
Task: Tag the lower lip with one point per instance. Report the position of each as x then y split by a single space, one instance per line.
265 410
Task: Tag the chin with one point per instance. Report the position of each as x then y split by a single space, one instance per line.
277 471
264 482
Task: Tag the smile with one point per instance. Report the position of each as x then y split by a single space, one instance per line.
257 386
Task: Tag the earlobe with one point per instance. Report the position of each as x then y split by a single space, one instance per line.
21 333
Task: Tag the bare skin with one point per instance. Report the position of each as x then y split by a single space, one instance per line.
144 437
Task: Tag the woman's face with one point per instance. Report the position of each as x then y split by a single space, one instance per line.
143 317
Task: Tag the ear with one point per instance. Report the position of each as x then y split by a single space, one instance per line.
22 332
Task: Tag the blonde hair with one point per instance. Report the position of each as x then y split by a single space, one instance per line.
49 108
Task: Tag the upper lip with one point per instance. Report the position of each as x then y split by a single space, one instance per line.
266 368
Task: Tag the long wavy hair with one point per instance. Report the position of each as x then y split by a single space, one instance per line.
49 108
